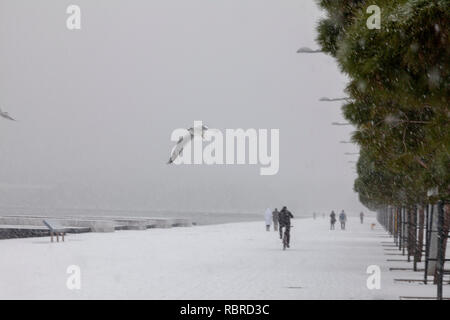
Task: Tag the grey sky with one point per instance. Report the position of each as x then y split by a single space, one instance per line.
96 106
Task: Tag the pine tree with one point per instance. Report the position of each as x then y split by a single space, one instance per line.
399 85
400 97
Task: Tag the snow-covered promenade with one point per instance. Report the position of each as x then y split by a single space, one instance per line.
229 261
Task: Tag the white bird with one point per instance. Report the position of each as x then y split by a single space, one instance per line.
184 140
6 115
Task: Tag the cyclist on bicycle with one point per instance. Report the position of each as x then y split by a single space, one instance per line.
284 219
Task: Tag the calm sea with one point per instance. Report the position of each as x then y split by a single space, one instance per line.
200 218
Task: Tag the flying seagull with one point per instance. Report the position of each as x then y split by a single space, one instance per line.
184 140
6 115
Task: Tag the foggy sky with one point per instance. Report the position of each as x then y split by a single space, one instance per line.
96 106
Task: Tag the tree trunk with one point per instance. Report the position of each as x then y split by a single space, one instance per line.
442 245
445 229
446 226
419 249
397 226
433 241
411 233
402 230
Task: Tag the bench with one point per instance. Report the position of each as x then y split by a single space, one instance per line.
55 229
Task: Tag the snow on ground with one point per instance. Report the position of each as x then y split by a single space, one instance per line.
228 261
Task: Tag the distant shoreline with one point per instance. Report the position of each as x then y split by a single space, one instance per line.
199 218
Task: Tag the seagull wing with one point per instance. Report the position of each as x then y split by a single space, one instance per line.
178 150
6 115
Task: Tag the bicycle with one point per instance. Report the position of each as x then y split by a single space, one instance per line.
286 236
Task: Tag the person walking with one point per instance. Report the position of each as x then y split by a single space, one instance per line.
268 218
275 218
342 219
332 219
361 216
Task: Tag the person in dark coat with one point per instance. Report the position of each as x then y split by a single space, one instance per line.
332 220
275 217
284 219
342 219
